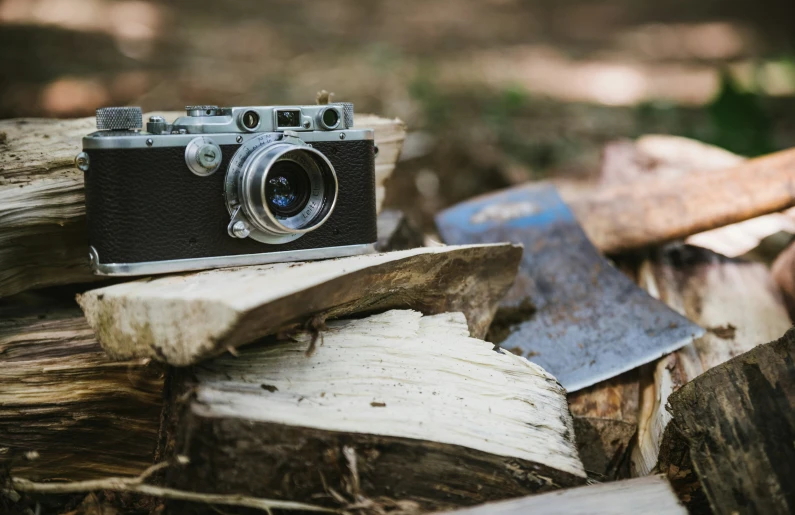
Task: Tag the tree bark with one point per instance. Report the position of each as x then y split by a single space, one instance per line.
392 411
42 214
738 423
66 410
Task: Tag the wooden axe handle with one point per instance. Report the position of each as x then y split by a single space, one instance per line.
624 217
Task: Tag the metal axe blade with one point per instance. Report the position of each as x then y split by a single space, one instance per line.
569 310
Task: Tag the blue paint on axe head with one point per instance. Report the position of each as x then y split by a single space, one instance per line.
569 310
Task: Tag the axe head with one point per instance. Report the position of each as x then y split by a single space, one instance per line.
569 310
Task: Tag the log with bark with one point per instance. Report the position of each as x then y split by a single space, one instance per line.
630 497
397 410
42 214
737 422
624 217
741 308
66 410
182 319
672 158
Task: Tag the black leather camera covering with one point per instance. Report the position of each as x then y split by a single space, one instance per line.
144 204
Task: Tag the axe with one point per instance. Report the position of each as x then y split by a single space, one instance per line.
572 312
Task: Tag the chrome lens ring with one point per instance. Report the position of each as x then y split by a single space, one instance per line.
322 196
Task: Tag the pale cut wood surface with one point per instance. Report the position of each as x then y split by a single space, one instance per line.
783 271
738 423
182 319
630 497
628 216
397 409
66 410
736 301
42 214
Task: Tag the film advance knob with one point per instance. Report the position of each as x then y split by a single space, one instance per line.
119 118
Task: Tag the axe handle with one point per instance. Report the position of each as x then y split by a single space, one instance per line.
629 216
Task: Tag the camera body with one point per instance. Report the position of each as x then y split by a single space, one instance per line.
227 187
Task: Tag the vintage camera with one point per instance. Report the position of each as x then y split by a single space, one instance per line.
227 187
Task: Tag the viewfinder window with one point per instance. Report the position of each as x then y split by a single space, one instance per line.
286 119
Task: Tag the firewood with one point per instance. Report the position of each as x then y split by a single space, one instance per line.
42 214
395 410
605 423
643 495
738 424
627 216
783 271
735 300
66 410
182 319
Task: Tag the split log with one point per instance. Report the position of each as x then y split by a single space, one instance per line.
629 216
183 319
644 495
42 214
395 410
739 305
670 158
66 410
738 423
605 423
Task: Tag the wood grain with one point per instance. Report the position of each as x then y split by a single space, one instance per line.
739 305
66 410
183 319
738 422
394 410
605 423
622 217
644 495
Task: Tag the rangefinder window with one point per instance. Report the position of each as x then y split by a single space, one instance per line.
288 119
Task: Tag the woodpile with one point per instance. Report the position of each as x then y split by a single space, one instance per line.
370 384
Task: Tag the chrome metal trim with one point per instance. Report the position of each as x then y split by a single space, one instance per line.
100 140
245 177
184 265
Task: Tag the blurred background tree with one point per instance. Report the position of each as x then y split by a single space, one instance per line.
493 91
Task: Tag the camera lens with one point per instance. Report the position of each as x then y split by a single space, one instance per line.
287 189
284 189
250 120
331 118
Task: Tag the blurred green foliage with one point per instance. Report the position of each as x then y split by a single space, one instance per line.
738 120
547 136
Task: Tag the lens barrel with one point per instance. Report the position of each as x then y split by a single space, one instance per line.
287 190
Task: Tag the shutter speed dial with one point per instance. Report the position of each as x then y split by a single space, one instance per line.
203 156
